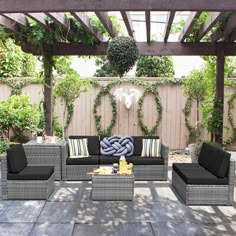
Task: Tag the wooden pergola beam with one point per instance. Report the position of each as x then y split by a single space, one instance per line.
128 23
19 18
39 17
189 25
232 36
105 20
148 25
9 24
228 28
60 18
170 19
85 22
207 26
146 49
8 6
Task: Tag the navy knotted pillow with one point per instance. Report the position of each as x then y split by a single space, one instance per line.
117 146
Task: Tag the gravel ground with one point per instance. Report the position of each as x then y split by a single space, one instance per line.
179 157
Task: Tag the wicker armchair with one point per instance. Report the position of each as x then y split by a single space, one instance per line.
203 183
32 182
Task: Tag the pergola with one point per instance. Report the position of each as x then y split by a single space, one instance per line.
14 14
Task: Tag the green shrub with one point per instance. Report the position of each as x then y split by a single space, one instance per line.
122 53
155 66
18 114
105 69
4 145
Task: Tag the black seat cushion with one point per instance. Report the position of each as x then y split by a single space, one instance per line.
109 160
137 160
16 159
93 143
193 173
33 173
138 143
214 159
91 160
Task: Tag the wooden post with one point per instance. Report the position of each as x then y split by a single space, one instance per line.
48 92
219 104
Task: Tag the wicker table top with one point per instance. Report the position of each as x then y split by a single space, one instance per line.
33 143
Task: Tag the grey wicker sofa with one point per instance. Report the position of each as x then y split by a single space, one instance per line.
208 182
155 168
23 181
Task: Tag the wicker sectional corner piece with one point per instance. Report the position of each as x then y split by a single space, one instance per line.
194 194
113 187
46 154
25 189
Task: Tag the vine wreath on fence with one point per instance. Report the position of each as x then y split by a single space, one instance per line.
149 88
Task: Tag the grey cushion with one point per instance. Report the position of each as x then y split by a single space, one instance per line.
33 173
138 143
214 159
193 173
137 160
16 159
91 160
93 143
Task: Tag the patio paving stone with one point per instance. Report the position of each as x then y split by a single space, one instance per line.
156 210
4 205
177 229
48 229
17 229
127 229
58 212
22 212
146 191
67 192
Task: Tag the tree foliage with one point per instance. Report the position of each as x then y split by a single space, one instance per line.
105 69
155 66
69 89
195 85
18 114
14 62
122 53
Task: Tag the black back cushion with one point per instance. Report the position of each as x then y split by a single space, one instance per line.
214 160
16 159
138 143
93 143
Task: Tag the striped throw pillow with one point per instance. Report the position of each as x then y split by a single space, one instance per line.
78 148
151 148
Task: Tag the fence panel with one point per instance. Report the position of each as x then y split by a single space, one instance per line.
171 129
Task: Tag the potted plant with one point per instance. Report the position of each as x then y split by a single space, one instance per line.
39 135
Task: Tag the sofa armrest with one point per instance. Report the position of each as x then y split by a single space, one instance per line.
231 180
4 168
164 151
64 156
4 171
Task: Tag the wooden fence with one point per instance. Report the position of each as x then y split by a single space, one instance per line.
172 127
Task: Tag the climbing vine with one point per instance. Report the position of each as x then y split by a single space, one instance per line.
230 115
149 88
17 85
144 128
193 132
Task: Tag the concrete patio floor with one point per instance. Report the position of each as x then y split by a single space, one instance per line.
155 210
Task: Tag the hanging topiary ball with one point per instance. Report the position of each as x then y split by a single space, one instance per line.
122 53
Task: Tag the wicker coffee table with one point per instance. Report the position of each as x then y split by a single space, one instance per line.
113 187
